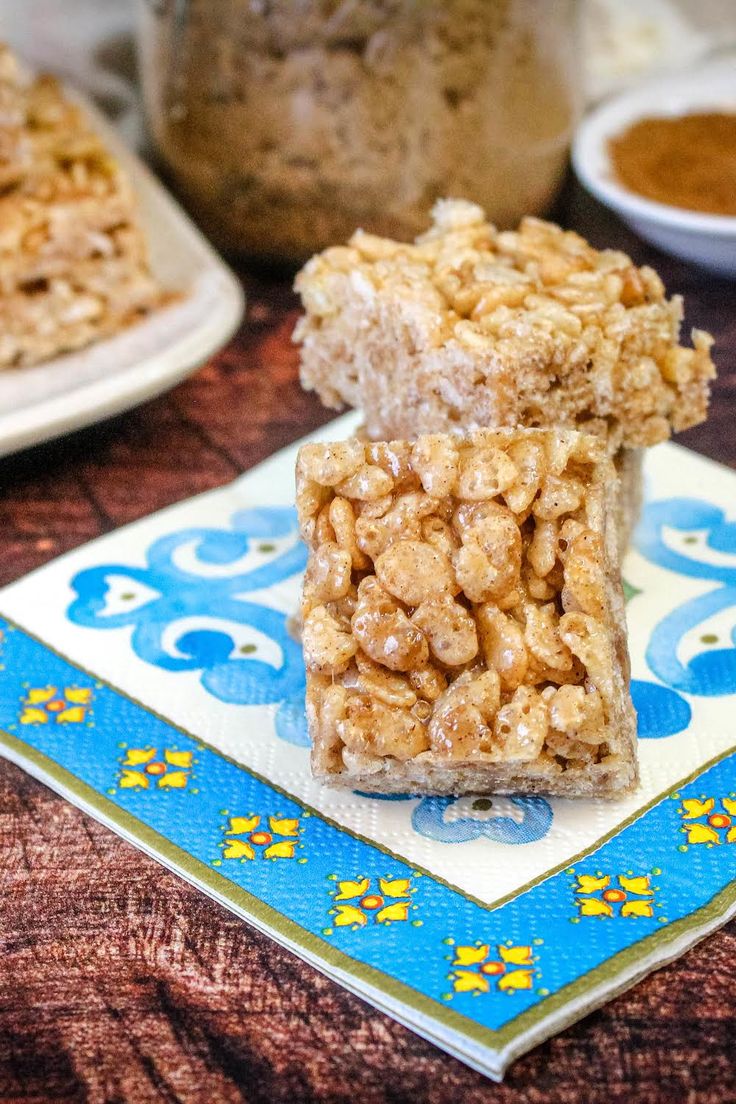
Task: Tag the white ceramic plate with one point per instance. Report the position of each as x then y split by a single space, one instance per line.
709 240
80 388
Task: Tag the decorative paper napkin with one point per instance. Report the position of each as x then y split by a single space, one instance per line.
151 678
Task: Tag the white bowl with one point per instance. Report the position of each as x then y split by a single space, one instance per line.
709 240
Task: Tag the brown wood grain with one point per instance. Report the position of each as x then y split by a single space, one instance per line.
119 982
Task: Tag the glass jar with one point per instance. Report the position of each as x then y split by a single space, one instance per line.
286 124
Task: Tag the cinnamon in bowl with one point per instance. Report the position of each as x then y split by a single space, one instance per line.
686 161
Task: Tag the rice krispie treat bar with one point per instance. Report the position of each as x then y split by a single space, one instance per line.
469 327
73 261
67 215
92 300
463 619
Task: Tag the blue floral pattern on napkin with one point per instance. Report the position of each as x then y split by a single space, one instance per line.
197 582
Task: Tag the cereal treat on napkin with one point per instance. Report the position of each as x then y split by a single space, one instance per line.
468 327
463 618
73 262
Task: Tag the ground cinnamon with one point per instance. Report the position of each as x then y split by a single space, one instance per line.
686 161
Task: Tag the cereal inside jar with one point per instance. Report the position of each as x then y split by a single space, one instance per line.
286 125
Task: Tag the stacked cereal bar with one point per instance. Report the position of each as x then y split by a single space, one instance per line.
73 263
468 327
463 614
463 618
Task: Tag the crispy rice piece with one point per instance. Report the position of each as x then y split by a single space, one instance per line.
463 617
469 327
625 501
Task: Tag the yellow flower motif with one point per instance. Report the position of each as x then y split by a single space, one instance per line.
467 981
74 715
78 695
173 780
47 704
136 757
719 826
273 842
695 808
282 849
470 956
383 905
178 758
638 885
701 833
31 715
592 906
633 896
346 890
588 884
283 827
517 956
517 979
130 780
399 910
146 768
238 849
508 968
345 915
240 825
45 694
395 887
637 908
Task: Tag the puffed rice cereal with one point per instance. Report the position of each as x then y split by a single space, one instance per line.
467 327
463 623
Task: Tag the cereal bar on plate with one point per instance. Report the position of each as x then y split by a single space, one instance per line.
73 261
463 618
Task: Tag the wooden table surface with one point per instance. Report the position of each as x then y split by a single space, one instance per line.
119 982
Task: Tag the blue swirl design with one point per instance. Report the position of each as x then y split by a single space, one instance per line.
177 594
226 673
712 671
659 711
501 819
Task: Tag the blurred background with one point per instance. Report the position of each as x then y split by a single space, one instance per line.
284 125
